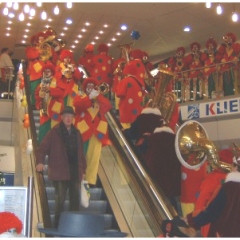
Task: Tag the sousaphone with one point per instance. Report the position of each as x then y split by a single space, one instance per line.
193 147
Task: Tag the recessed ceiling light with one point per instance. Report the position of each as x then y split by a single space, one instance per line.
118 33
124 27
113 39
73 46
96 37
9 22
79 36
8 28
76 41
69 21
50 20
83 30
87 23
65 28
28 24
23 41
101 32
93 43
105 25
62 34
109 44
25 36
26 30
187 29
11 15
8 34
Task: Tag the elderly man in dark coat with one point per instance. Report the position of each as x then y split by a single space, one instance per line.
66 162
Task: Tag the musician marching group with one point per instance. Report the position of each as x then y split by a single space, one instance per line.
56 81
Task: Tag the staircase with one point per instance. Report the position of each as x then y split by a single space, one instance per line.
98 200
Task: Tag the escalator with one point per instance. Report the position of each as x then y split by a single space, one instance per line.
125 194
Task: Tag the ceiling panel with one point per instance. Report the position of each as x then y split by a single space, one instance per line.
159 24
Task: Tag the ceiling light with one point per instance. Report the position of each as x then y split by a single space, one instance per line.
49 19
8 34
32 12
118 33
187 29
39 4
15 6
65 28
234 17
113 39
109 44
83 30
124 27
23 41
25 36
26 8
26 30
9 4
21 17
11 15
44 15
73 46
69 21
87 23
76 41
62 34
105 25
219 9
97 37
69 5
93 43
5 11
56 10
208 4
9 22
8 28
28 24
79 36
101 32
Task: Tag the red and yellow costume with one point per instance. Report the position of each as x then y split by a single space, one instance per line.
36 61
230 50
93 126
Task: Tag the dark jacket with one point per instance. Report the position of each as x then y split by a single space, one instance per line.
162 162
53 146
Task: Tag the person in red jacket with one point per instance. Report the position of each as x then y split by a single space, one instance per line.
211 185
91 122
102 65
68 79
131 90
86 59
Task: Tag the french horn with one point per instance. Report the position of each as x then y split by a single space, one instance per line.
193 147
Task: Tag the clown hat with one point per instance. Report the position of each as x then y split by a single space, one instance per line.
66 53
49 66
103 48
89 80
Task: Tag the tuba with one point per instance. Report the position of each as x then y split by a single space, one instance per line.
45 46
164 101
125 51
193 147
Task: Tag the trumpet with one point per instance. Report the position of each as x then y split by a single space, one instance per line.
103 88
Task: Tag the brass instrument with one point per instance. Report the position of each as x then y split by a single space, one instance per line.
103 88
44 94
45 46
164 101
125 51
68 71
193 147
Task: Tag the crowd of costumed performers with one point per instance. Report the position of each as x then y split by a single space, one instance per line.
146 120
209 73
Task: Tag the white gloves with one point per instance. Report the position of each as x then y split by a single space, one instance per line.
94 93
